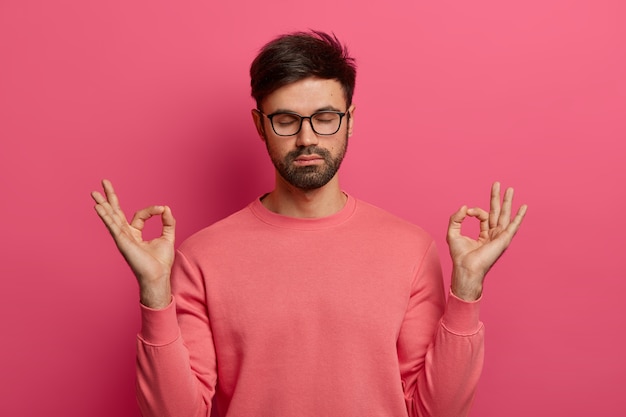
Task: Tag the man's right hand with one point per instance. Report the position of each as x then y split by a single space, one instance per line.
151 261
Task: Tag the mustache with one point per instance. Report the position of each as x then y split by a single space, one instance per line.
309 150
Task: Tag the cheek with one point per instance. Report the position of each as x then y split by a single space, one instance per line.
275 147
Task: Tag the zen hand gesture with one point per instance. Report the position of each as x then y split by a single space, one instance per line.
472 259
151 261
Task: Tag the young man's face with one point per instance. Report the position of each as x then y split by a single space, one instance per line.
306 160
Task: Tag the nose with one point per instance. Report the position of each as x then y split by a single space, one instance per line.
306 136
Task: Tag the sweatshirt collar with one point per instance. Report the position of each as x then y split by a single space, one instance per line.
298 223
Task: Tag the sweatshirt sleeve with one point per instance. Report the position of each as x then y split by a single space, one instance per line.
440 348
171 381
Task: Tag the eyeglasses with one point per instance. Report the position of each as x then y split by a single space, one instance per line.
323 123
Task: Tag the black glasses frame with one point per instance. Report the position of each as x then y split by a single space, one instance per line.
271 117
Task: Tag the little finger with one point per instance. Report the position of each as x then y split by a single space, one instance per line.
517 221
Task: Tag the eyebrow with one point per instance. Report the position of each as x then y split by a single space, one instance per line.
325 108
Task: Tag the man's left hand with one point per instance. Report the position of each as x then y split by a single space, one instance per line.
472 259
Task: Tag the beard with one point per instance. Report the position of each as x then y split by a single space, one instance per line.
308 177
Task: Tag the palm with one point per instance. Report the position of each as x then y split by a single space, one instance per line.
481 253
151 258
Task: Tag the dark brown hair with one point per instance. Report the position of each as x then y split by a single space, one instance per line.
299 55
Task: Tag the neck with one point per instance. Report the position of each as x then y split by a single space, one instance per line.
291 201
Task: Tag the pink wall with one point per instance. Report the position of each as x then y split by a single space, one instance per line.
450 96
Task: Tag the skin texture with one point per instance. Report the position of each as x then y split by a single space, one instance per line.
151 261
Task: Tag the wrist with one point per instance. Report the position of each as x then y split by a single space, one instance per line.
157 295
466 285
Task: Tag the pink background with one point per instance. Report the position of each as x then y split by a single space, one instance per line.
451 95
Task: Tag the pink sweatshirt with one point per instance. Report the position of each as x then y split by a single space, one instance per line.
283 317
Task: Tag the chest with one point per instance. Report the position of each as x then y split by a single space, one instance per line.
324 293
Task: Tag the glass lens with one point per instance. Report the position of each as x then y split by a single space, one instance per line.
285 123
326 123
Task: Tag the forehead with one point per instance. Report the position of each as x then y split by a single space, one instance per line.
306 96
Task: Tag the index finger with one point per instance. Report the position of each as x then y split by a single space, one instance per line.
143 215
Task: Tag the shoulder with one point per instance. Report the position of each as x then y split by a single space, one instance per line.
376 224
219 231
381 218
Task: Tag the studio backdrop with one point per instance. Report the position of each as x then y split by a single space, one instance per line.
450 96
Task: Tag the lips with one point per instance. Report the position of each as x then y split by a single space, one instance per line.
308 160
305 158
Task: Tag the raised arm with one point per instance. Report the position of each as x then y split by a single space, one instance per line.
166 382
472 258
442 381
151 261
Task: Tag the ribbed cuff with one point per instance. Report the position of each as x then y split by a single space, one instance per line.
159 327
462 317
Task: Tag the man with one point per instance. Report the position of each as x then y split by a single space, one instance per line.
308 302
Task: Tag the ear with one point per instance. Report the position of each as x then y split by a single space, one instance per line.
257 118
350 119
